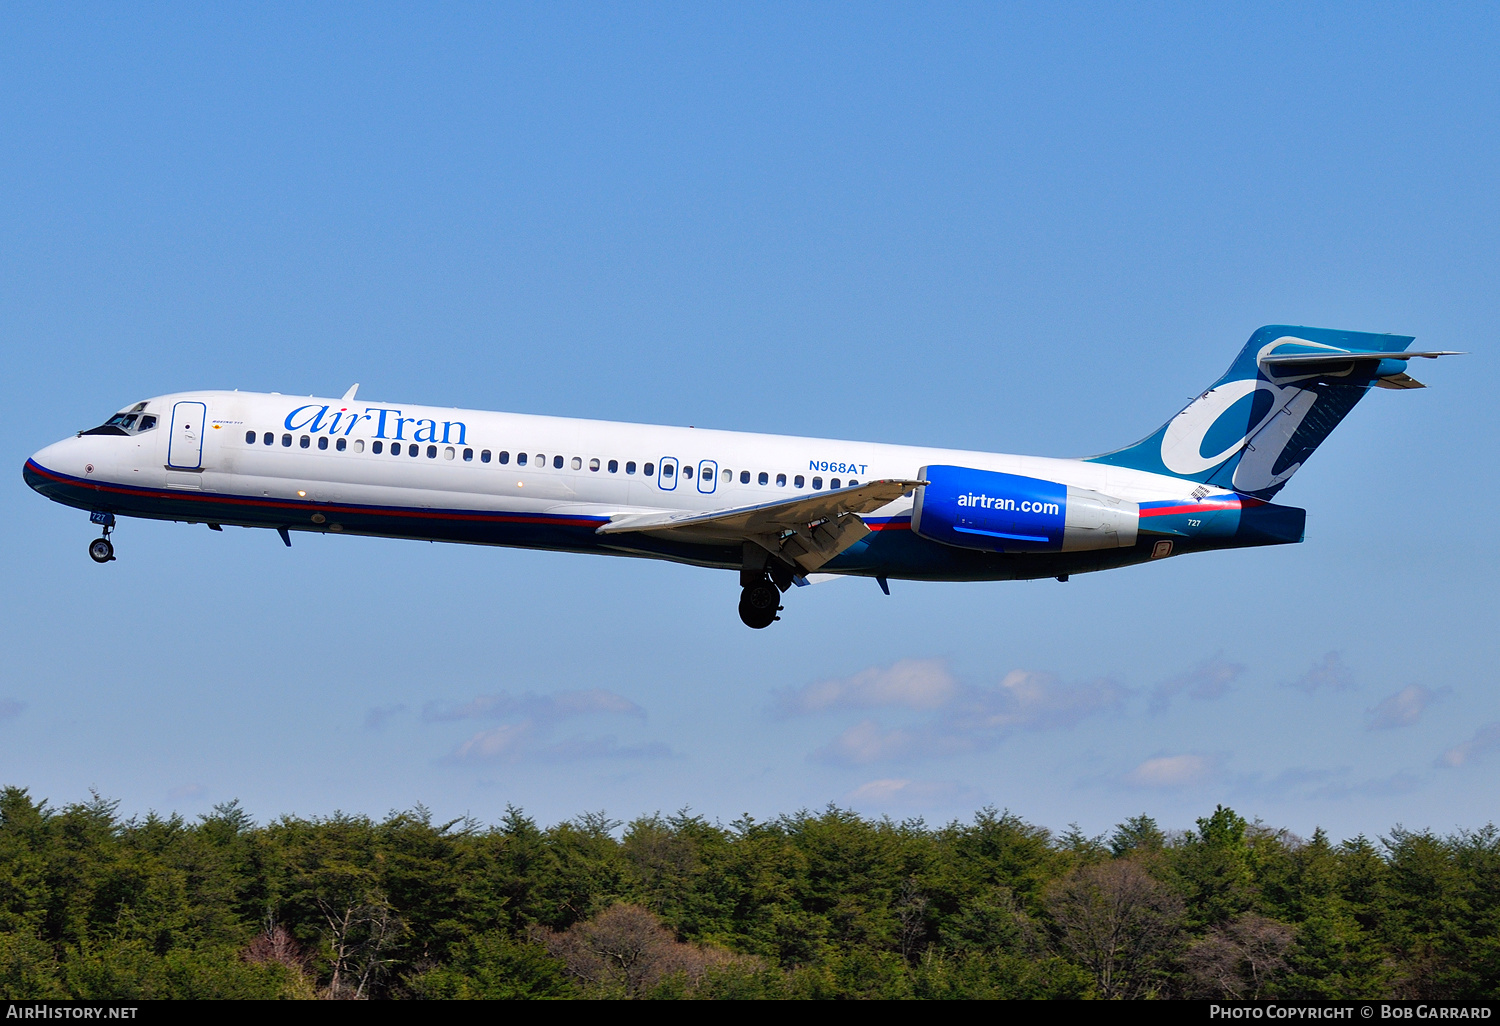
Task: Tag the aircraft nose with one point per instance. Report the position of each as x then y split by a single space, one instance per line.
41 470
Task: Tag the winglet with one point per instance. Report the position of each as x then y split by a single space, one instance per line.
349 395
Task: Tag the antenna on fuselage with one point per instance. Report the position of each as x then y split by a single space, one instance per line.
349 395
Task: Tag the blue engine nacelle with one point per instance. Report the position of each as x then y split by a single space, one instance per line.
982 509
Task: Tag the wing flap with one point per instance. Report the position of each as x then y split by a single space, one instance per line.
807 530
783 514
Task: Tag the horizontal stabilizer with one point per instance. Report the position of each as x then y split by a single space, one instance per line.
1345 357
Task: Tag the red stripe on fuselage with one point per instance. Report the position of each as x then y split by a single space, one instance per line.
317 507
1200 507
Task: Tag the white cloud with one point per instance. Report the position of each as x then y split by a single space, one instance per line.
1173 771
1401 782
1330 784
514 742
503 742
866 742
1212 678
1403 708
1036 701
606 747
977 718
1485 739
915 683
375 718
533 719
559 705
893 793
1328 674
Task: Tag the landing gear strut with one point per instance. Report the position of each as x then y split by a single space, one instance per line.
762 580
102 550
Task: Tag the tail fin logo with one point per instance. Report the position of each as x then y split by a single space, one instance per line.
1182 443
1232 406
1284 392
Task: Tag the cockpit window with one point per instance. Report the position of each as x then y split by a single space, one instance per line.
131 422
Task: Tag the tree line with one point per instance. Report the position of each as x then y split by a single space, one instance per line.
822 904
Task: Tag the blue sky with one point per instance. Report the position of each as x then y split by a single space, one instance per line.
1033 229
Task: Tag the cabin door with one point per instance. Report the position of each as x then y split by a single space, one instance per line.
185 450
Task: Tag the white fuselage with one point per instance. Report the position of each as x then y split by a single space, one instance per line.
329 465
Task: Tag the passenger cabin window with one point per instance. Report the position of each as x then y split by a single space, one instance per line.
744 477
798 481
557 463
780 480
614 466
431 452
630 467
449 452
269 438
413 449
520 459
728 475
541 460
648 469
469 456
286 441
484 456
594 465
834 483
342 444
666 470
504 457
249 437
852 482
359 445
817 483
687 471
764 478
377 447
322 441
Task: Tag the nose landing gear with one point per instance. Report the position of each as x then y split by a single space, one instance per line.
102 550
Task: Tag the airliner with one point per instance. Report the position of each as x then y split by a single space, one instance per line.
779 510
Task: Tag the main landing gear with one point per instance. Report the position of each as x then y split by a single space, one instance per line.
759 604
102 550
762 580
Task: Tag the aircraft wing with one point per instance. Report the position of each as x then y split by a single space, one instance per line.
808 530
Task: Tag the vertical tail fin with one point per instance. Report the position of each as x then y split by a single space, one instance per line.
1258 424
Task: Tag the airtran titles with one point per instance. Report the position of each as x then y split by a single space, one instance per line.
387 423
